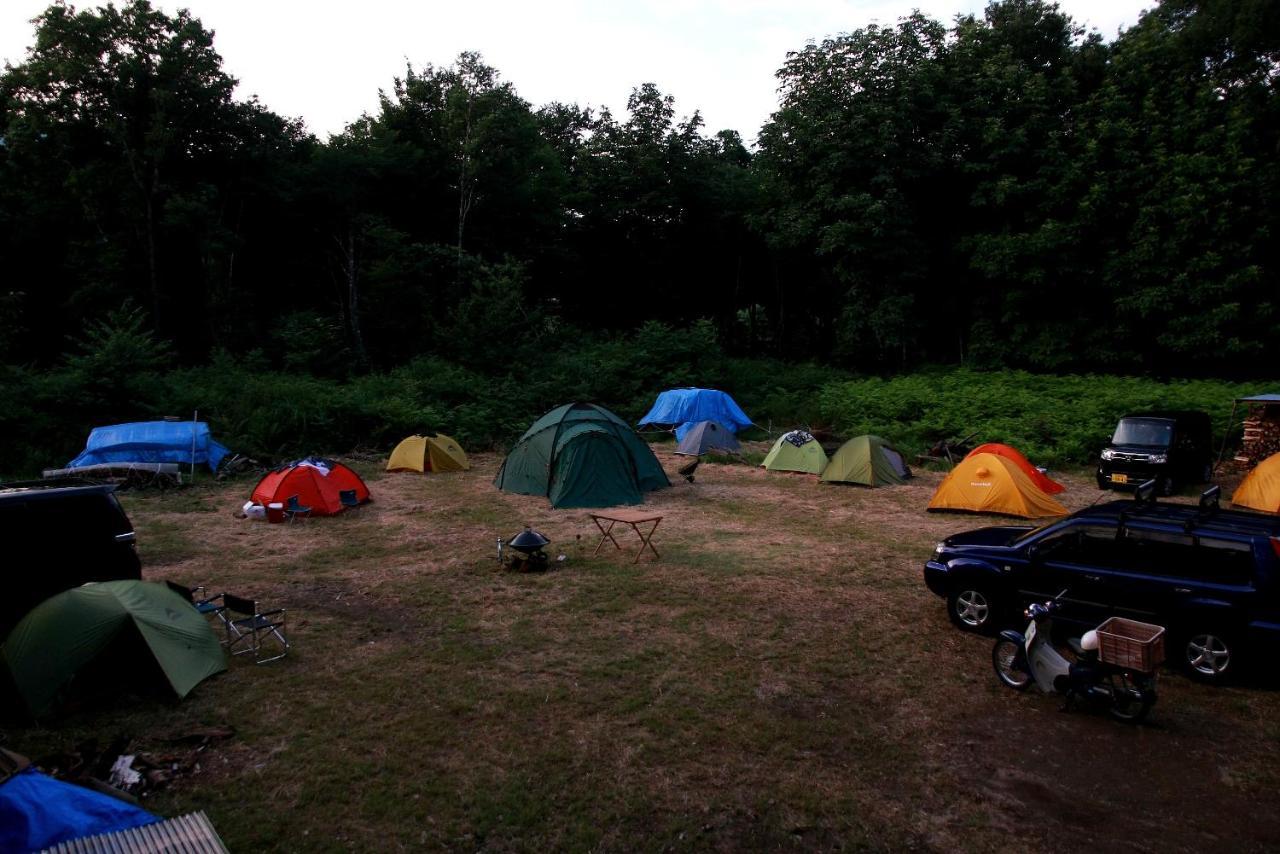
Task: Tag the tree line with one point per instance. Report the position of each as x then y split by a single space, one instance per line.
1005 191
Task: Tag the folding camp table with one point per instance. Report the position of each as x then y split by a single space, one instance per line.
635 520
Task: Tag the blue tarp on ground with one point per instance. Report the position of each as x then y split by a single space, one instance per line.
690 405
151 442
37 811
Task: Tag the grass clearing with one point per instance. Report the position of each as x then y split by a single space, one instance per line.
781 678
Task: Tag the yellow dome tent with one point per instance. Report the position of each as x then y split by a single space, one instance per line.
989 483
1260 489
428 453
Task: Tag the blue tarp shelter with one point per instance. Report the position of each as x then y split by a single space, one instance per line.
37 811
687 406
151 442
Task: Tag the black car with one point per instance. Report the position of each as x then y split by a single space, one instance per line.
1172 448
1211 577
59 535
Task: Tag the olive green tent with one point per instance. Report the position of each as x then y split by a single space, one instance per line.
796 451
868 460
582 455
129 626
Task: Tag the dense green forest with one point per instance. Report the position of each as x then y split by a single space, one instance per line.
1005 193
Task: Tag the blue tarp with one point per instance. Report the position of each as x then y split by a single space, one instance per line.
151 442
685 406
37 811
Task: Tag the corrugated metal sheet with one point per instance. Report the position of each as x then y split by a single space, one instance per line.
186 834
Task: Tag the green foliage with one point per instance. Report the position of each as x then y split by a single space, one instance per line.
1054 420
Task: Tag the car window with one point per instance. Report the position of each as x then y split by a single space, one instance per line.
1143 431
1159 552
1223 561
1095 545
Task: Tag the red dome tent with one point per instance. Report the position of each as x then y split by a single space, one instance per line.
1047 485
316 482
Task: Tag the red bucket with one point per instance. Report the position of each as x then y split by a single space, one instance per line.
275 512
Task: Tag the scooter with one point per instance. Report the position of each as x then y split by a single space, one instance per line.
1019 658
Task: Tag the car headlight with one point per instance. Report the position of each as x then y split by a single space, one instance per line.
1158 459
937 550
1108 454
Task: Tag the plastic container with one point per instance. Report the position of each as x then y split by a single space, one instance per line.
1131 644
275 512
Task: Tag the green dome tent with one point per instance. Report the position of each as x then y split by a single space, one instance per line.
868 460
796 451
582 455
129 625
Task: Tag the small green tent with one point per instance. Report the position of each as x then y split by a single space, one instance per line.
796 451
868 460
127 625
582 455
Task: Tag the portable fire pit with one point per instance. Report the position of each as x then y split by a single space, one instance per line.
524 552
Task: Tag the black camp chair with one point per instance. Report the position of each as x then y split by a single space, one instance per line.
293 509
206 605
246 634
348 499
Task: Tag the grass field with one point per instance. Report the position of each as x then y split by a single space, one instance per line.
779 679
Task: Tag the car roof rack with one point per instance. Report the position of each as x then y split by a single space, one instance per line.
1207 508
1144 498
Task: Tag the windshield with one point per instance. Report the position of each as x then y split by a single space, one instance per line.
1036 530
1143 431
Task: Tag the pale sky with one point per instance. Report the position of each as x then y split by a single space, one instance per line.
325 61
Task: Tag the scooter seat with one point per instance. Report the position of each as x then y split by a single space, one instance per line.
1074 643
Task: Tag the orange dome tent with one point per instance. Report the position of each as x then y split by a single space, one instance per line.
1260 489
316 482
1047 485
991 483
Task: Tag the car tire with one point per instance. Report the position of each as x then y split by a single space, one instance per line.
1208 654
973 608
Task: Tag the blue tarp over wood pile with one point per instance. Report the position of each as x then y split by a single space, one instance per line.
151 442
37 811
690 405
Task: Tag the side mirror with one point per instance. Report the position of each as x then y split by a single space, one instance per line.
1034 551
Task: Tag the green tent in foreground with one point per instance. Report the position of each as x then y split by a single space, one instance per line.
582 455
126 625
868 460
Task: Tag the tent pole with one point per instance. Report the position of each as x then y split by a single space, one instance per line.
1222 449
195 417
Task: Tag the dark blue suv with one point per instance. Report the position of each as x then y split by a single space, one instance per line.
1211 577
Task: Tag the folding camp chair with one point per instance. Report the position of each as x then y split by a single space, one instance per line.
206 605
246 634
348 499
293 509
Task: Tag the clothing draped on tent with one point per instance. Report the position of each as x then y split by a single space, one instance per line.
1047 485
582 455
796 451
317 483
684 406
990 483
152 442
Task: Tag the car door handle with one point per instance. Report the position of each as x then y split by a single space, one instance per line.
1182 590
1093 578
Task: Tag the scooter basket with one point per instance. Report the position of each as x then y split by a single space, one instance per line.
1130 644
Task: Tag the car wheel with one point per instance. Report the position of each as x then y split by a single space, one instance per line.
1208 656
972 609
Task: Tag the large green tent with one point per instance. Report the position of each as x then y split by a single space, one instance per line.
582 455
868 460
796 451
129 626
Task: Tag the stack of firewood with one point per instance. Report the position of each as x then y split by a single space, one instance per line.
1261 435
